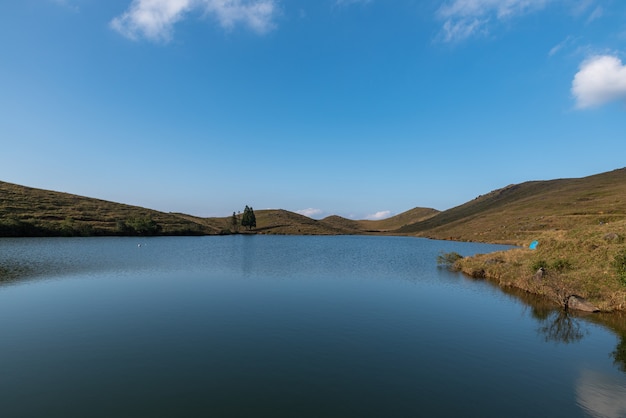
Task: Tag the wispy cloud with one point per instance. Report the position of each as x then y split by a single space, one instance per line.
580 7
66 3
597 13
560 46
463 19
600 80
379 215
349 2
155 19
310 212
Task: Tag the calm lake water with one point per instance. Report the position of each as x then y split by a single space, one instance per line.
281 326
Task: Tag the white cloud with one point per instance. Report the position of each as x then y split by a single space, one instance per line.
601 79
379 215
257 14
155 19
466 18
310 212
152 19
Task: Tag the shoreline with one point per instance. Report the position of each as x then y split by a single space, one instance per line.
514 269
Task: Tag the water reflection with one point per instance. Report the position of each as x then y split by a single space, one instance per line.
619 355
601 395
343 326
36 259
561 327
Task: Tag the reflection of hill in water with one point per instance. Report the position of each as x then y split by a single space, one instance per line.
15 273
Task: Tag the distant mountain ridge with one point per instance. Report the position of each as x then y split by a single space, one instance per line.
514 213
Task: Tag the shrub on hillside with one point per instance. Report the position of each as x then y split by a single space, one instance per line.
448 259
540 264
619 264
138 226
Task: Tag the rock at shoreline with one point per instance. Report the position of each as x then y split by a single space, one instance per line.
579 304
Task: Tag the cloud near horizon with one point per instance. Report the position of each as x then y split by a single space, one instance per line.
600 80
310 212
379 215
155 19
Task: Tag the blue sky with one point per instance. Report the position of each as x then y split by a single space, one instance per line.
363 109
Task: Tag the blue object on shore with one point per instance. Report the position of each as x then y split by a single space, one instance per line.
533 245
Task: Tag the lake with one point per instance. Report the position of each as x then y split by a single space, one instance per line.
284 326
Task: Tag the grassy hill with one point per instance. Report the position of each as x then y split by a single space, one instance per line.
387 225
25 211
280 221
518 213
580 225
588 261
513 214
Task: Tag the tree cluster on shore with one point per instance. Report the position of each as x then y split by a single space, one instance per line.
248 219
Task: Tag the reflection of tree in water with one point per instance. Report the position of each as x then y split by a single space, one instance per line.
560 327
619 355
541 313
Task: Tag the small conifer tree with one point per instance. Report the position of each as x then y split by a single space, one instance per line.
234 221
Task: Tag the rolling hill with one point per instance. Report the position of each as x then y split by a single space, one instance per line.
26 211
512 214
383 226
517 213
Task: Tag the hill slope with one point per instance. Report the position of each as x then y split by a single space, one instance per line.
513 214
278 221
517 213
26 211
384 225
